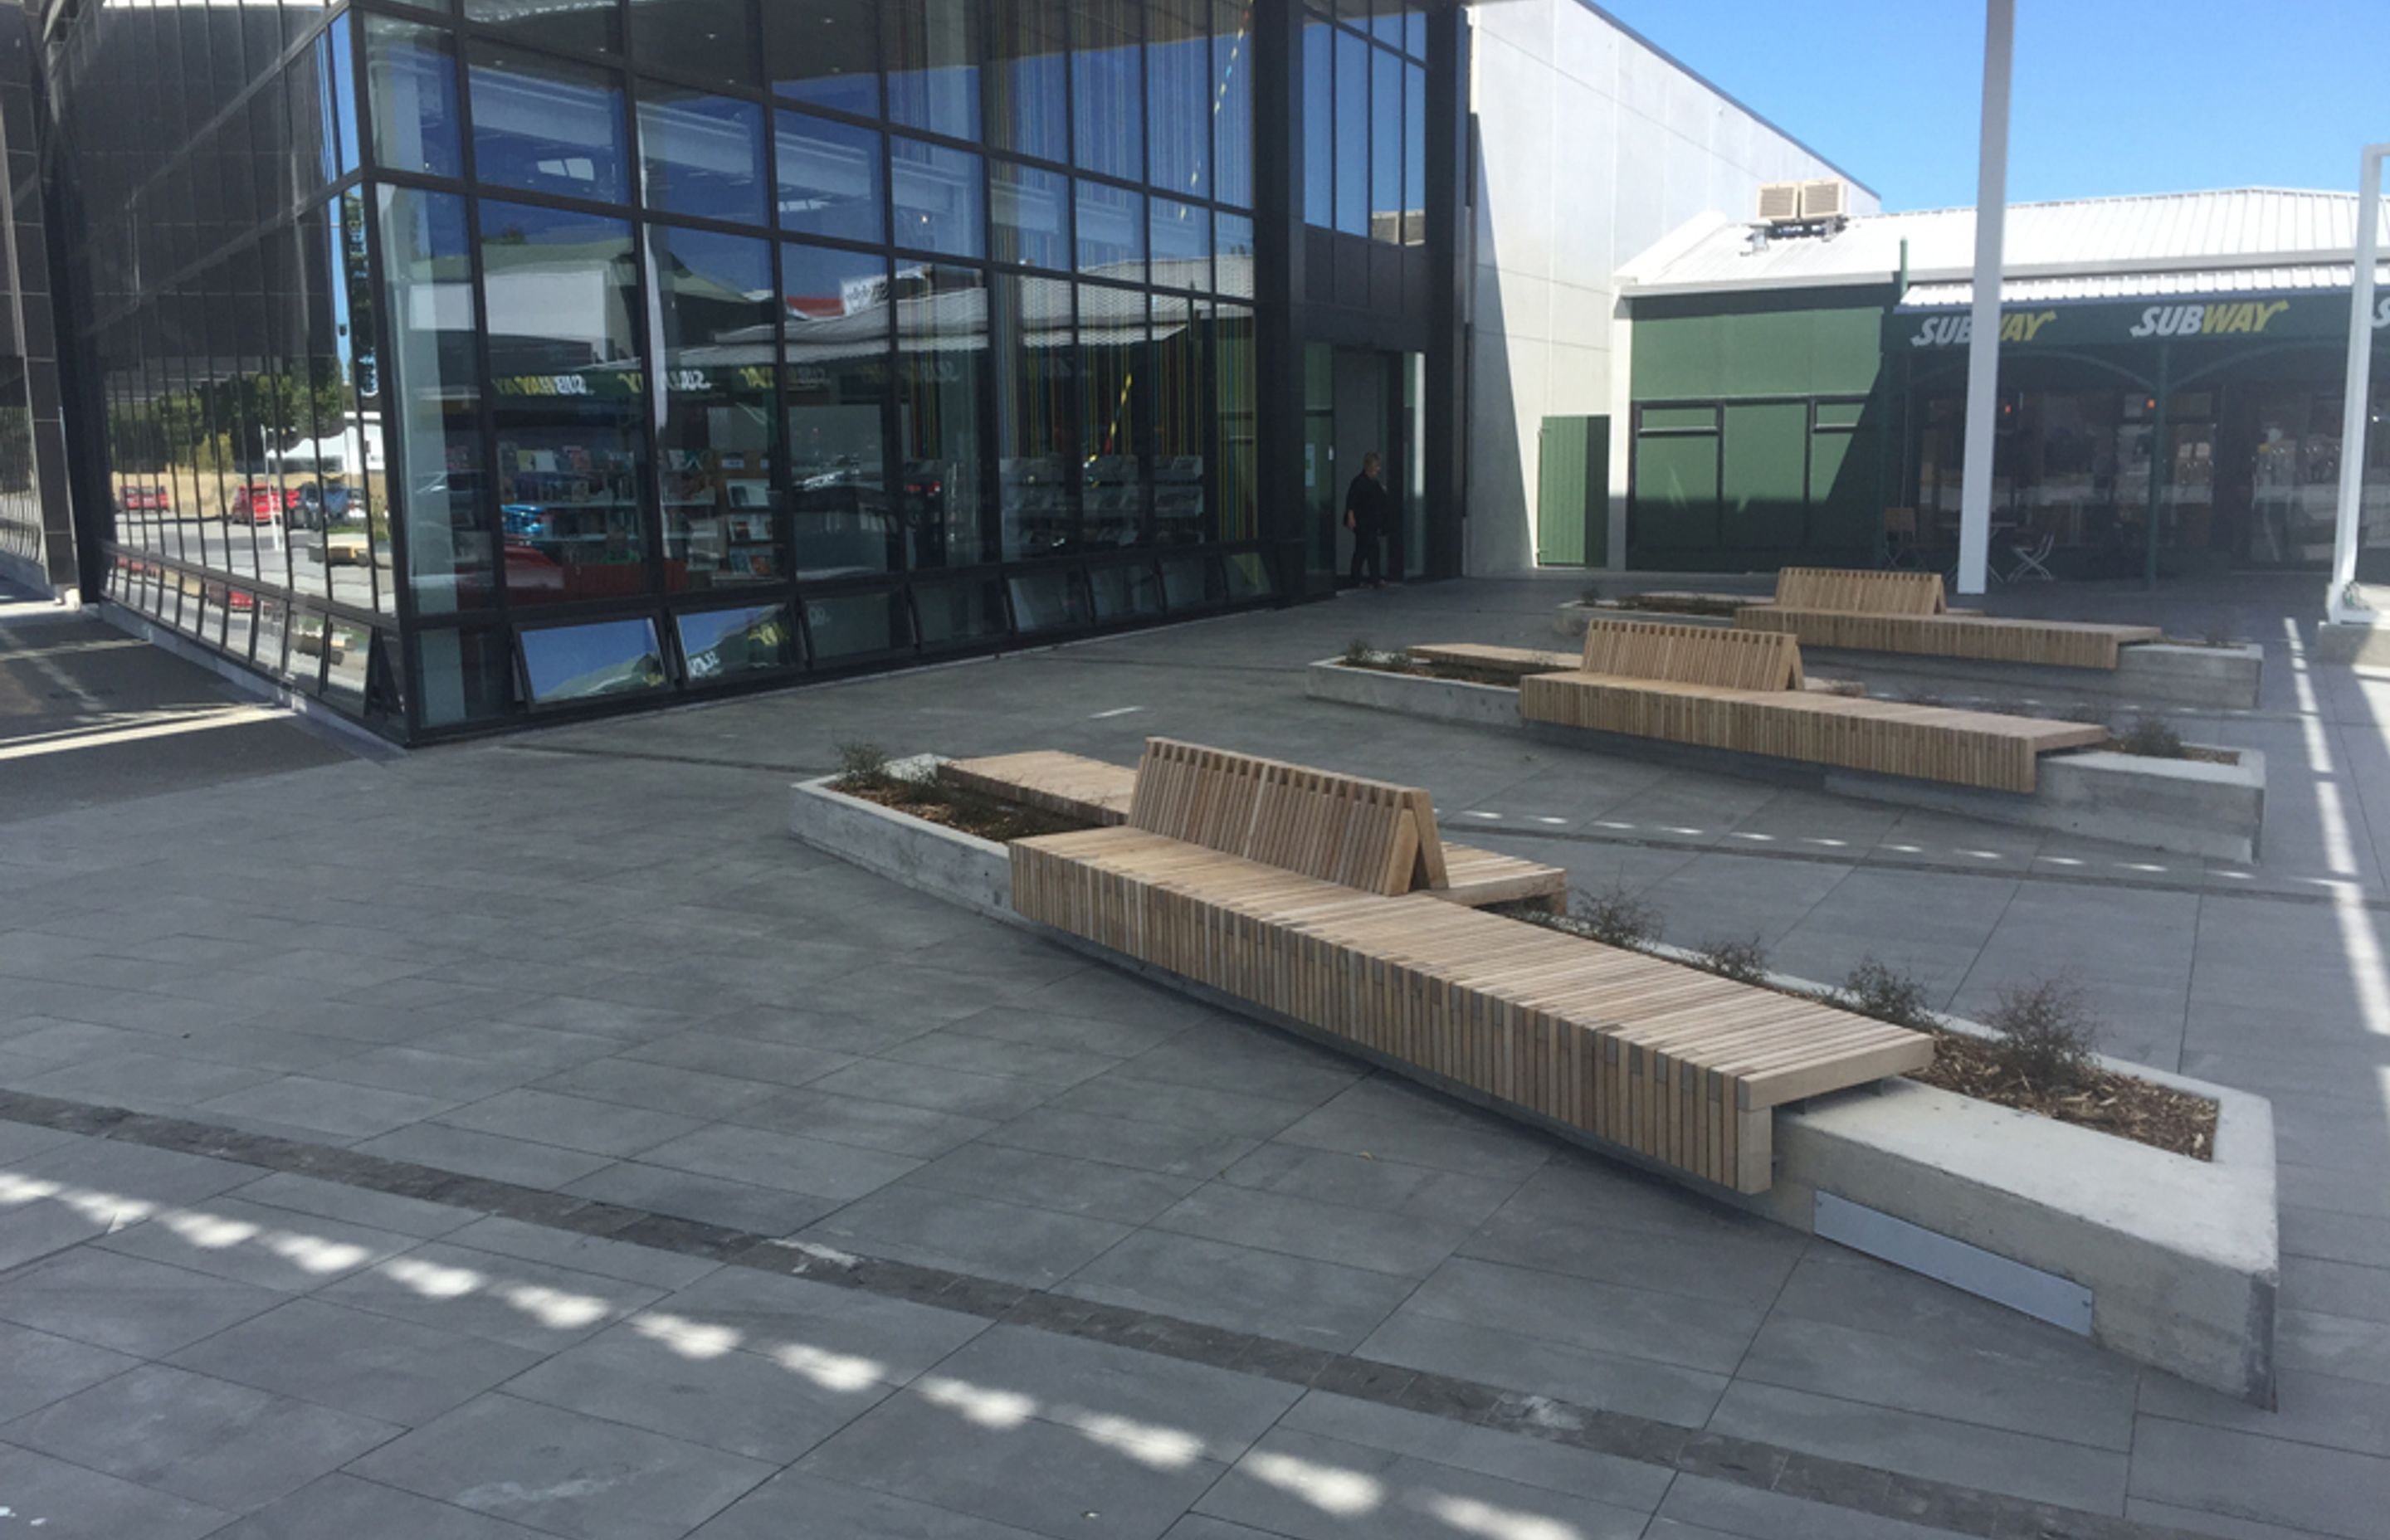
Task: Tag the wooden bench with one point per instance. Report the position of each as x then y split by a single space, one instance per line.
1675 1065
1101 792
1740 690
1514 664
1906 612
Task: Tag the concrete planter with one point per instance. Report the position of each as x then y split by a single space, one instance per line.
2186 806
2147 673
2168 1261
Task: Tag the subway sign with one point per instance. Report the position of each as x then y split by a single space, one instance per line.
2313 317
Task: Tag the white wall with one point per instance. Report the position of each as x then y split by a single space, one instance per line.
1591 147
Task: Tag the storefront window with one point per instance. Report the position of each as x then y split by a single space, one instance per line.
589 662
1237 405
936 195
433 384
1113 395
411 73
715 306
1182 244
1180 412
1112 232
829 175
933 64
546 127
846 626
1028 81
1107 96
719 645
941 361
835 321
1035 415
1030 212
560 296
702 155
826 52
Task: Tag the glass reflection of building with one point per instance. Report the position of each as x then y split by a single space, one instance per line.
459 359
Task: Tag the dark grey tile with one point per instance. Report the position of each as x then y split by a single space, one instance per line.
126 1303
573 1123
37 1369
762 1158
1313 1303
660 1087
583 1253
1033 1247
491 1155
1109 1392
331 1106
1705 1334
375 1366
1030 1178
340 1504
72 1502
1313 1488
2268 1481
522 1304
845 1333
815 1113
202 1439
379 1211
1146 1145
739 1057
564 1473
1383 1242
994 1097
1586 1377
710 1199
254 1243
793 1505
1201 1108
1751 1513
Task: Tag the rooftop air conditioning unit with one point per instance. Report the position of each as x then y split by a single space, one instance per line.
1780 202
1828 198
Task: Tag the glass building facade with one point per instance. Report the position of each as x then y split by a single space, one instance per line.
459 363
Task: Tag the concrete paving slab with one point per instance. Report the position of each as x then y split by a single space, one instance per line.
72 1502
1295 1299
376 1365
341 1504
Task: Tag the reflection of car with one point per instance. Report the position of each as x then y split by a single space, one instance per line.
145 499
528 569
258 502
321 502
523 520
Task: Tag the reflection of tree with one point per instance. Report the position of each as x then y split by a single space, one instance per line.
244 417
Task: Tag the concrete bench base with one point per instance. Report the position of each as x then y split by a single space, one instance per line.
2185 806
2168 1261
2147 673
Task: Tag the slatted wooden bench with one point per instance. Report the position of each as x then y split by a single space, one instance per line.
1100 792
1514 664
1675 1065
1906 612
1740 690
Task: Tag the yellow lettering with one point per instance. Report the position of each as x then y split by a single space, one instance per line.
2267 311
2034 324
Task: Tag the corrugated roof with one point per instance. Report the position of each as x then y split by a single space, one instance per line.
2135 286
2235 228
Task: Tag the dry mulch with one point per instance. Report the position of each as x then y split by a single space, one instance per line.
1396 662
968 812
2106 1101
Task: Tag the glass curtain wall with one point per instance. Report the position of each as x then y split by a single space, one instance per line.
536 352
1365 119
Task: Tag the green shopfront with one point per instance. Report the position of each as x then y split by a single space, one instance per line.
2137 437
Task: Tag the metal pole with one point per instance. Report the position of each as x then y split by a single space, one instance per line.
2160 461
2356 396
1983 339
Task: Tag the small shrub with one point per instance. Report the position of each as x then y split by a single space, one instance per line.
1743 961
1876 988
861 767
1358 653
1616 917
2153 737
2218 637
2046 1034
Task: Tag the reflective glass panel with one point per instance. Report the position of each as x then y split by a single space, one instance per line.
1182 244
942 363
834 394
1236 397
705 40
1352 120
1414 155
842 626
1028 78
1179 96
546 127
933 48
826 52
569 398
411 72
829 175
717 308
466 675
702 155
1232 102
1124 593
1386 147
1031 215
1106 88
724 644
433 383
589 25
1112 232
953 613
590 662
1114 390
1051 600
935 192
1035 415
1319 124
1181 418
1235 263
347 661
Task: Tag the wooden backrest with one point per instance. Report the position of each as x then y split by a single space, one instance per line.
1861 593
1370 835
1678 654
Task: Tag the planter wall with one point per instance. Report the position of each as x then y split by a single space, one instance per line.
2168 1261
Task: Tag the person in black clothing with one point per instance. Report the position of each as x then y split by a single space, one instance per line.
1369 509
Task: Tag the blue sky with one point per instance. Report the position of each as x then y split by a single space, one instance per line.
2111 96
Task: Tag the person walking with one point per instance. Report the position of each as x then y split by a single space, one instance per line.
1367 511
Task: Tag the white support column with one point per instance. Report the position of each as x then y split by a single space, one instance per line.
1984 339
2349 531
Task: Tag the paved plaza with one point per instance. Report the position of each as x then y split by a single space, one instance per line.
529 1138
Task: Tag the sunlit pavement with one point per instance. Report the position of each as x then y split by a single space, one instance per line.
590 963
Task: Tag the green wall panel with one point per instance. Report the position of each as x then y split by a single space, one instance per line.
1573 493
1677 492
1845 504
1830 343
1764 496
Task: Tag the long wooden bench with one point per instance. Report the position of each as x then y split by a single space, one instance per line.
1100 792
1678 1066
1906 612
1740 690
1512 664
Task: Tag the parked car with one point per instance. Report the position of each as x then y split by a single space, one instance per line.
145 499
321 503
258 502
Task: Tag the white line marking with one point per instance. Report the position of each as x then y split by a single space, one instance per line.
1117 711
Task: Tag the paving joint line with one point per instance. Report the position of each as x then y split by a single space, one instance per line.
1686 1451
